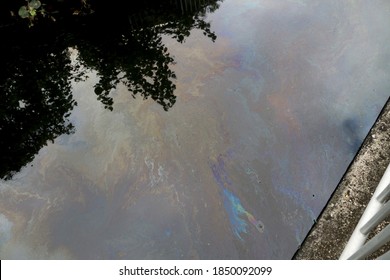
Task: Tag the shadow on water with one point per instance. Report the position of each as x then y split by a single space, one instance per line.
122 45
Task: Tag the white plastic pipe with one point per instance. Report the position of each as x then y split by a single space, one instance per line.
357 238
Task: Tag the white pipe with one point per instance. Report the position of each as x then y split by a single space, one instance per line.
358 239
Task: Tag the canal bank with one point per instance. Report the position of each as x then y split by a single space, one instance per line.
329 235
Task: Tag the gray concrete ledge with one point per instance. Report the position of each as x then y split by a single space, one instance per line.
329 235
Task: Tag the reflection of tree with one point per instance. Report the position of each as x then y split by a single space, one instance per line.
129 48
34 105
177 17
138 59
36 74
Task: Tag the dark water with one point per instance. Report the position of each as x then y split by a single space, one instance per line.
201 129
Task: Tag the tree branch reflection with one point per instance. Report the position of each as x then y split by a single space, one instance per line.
35 81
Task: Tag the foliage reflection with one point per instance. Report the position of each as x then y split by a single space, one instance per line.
37 71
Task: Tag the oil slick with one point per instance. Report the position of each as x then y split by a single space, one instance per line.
238 215
265 117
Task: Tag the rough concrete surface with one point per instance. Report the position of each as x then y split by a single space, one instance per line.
335 225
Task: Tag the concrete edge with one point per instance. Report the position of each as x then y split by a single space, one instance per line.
328 237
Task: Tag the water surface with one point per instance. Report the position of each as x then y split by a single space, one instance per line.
266 118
